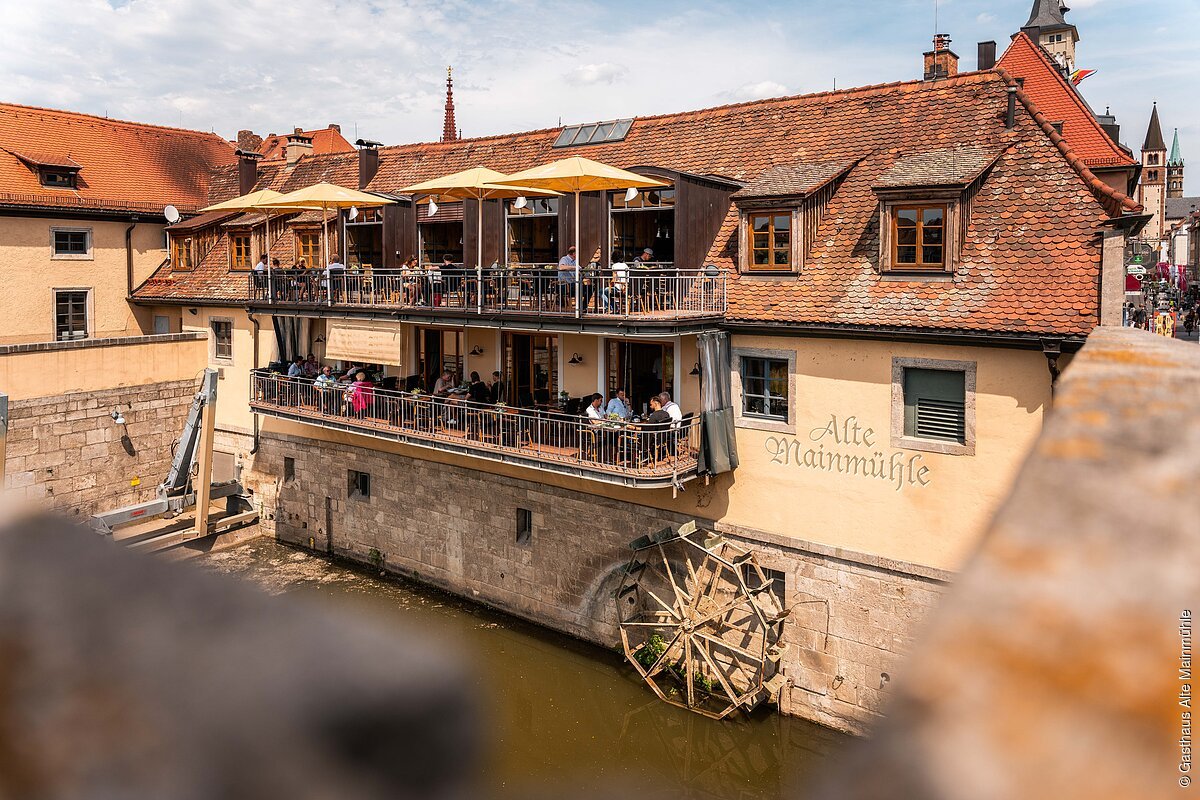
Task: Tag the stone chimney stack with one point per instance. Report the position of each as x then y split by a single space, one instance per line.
247 169
986 58
248 141
368 161
298 146
941 61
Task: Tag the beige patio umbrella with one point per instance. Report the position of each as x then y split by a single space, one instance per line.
479 184
578 175
325 196
253 202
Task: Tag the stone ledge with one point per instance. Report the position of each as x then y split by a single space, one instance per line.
118 341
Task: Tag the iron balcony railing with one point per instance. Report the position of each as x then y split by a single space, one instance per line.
655 291
628 453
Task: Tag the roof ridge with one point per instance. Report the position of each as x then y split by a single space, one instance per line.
113 120
1112 200
1072 92
875 88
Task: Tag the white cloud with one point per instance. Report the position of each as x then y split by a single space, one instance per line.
757 91
599 73
985 18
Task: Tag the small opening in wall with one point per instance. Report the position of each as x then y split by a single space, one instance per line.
358 485
524 525
289 468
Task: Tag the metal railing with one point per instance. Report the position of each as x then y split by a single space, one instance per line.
657 454
657 290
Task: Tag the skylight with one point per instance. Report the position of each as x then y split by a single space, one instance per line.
594 133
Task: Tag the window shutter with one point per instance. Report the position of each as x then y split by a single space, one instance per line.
935 404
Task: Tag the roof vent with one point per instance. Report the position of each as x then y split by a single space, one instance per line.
594 133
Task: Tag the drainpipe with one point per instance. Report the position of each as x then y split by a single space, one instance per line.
1052 349
254 321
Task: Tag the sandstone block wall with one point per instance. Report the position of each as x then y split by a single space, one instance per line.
456 528
66 452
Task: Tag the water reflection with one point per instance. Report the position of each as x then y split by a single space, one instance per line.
567 716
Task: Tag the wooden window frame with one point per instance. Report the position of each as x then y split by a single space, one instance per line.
315 255
87 311
233 257
216 356
748 216
900 440
919 245
185 245
952 206
88 255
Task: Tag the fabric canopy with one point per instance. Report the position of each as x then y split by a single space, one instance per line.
718 441
247 202
364 341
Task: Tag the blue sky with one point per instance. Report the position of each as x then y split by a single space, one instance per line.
378 67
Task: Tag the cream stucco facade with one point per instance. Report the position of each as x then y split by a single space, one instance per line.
35 274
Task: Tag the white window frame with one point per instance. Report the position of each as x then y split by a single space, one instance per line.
212 350
89 321
902 442
55 256
740 419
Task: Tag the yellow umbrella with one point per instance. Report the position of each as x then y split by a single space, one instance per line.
477 183
578 175
252 202
325 196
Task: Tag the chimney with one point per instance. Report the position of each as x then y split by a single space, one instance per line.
1010 115
247 170
368 161
246 140
335 127
987 56
941 61
298 146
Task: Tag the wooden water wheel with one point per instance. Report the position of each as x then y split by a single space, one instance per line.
699 621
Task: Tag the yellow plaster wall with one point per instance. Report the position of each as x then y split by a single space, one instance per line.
233 390
27 304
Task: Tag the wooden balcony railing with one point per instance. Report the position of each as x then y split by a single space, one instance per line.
656 292
632 454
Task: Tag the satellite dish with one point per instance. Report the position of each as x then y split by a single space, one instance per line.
172 214
631 193
353 213
521 202
432 207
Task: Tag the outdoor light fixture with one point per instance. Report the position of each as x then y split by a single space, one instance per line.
576 359
695 369
432 207
353 213
117 418
521 201
630 193
192 311
319 340
476 350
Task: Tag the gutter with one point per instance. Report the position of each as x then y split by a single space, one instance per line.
129 257
1020 341
254 321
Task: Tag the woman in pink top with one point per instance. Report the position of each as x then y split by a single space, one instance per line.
361 393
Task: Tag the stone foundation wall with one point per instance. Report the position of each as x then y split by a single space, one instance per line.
456 528
67 453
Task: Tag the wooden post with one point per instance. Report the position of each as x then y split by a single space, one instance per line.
202 484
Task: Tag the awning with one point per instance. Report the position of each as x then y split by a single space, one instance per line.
364 341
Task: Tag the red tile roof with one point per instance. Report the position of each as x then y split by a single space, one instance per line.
1030 262
124 166
1061 102
325 141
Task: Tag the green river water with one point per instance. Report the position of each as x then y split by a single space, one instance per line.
565 717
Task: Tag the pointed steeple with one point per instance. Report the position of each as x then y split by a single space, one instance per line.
1176 159
1048 14
1154 138
450 132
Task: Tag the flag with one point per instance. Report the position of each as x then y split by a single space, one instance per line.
1078 75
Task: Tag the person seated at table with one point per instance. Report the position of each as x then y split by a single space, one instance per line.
643 264
669 406
478 391
360 394
296 370
619 405
568 267
349 374
311 366
593 412
413 280
444 383
325 379
497 388
591 280
326 385
658 416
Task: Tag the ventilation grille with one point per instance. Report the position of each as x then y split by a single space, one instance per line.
941 419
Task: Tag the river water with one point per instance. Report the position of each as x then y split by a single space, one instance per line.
566 717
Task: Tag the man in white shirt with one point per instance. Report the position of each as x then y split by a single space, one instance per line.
619 405
296 370
669 406
594 414
335 272
261 266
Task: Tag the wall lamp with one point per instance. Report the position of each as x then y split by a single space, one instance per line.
192 311
696 369
117 416
576 359
476 351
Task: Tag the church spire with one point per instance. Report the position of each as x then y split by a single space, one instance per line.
1154 138
1176 159
450 131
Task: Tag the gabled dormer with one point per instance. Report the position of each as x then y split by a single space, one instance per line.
53 171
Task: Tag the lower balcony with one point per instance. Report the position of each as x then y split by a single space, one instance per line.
640 455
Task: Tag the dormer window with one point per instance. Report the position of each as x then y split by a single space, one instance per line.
57 178
925 206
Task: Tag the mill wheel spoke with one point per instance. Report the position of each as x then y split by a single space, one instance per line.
681 597
728 646
733 696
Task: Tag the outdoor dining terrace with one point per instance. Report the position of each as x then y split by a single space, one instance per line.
613 451
656 292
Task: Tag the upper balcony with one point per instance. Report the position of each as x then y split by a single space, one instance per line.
640 455
656 297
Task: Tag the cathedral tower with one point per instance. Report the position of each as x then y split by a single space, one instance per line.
1048 27
1152 191
1175 169
449 126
